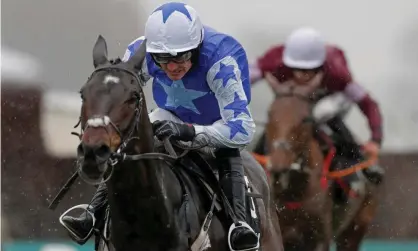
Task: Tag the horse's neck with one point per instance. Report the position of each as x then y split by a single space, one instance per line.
142 194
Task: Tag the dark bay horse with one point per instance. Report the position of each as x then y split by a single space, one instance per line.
299 171
155 202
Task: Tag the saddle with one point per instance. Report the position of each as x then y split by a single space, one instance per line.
200 168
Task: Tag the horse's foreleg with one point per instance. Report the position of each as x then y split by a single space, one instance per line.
324 236
350 239
324 245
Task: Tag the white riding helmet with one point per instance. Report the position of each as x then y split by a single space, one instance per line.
172 28
304 49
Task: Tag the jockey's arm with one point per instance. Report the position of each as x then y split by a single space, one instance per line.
368 106
343 82
130 51
237 127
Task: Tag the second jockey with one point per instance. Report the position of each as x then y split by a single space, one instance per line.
200 83
304 55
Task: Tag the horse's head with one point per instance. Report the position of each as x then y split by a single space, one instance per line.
113 101
289 132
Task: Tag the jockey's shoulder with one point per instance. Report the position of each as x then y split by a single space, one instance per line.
336 64
272 58
217 45
276 49
334 51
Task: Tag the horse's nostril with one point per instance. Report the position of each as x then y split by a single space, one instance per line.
86 151
94 152
103 152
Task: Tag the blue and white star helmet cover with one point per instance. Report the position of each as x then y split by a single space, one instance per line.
172 28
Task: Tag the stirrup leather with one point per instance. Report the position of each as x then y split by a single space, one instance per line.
77 238
242 225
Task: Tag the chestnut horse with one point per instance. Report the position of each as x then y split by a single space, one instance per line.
299 175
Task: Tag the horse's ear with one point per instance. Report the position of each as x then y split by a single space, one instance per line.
138 58
100 52
313 85
273 82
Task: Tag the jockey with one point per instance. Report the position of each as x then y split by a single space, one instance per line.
305 54
200 83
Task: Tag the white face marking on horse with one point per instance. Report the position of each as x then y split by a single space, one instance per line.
98 121
295 166
110 78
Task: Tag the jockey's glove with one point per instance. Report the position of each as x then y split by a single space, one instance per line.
177 131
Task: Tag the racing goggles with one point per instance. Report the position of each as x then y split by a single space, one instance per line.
165 58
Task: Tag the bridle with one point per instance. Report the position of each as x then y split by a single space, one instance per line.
119 156
134 123
126 138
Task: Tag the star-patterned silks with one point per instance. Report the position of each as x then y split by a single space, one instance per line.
236 127
178 95
134 46
238 106
213 96
169 8
226 72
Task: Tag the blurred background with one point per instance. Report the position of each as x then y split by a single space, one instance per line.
46 57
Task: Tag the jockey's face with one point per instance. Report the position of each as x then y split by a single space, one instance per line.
304 76
175 67
176 71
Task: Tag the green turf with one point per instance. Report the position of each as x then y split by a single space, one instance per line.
368 245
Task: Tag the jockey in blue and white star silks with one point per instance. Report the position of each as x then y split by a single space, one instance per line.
214 94
200 83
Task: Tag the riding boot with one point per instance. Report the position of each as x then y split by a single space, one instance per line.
80 227
241 236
